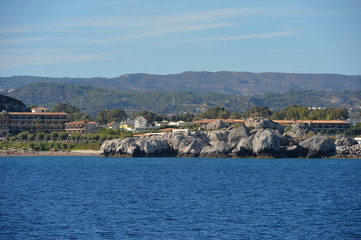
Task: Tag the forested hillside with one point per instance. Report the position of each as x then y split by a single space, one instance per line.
91 100
11 104
238 83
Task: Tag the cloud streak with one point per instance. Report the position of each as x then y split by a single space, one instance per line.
21 40
153 32
239 37
16 58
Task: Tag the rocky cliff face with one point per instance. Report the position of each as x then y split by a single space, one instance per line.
265 140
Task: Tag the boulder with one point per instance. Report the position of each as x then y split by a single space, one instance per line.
217 135
217 124
266 143
262 123
187 145
117 147
217 149
244 147
349 151
293 151
342 140
298 131
236 134
152 147
318 146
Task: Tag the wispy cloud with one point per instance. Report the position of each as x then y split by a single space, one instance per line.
16 58
154 21
21 40
152 32
31 29
238 37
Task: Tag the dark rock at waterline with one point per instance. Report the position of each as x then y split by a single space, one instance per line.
318 146
234 142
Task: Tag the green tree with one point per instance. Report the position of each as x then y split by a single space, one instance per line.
54 135
40 136
63 135
235 115
37 122
46 137
23 135
66 108
318 114
292 112
215 112
258 111
31 137
338 114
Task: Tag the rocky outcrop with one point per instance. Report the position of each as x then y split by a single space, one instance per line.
299 131
266 143
353 152
235 135
218 124
342 140
262 123
233 142
317 147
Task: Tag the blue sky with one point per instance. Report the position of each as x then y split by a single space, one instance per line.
109 38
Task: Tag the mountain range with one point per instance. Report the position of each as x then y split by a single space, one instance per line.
91 99
235 83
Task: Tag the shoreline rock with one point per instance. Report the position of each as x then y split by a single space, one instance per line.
265 140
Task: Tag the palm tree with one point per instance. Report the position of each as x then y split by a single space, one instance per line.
37 121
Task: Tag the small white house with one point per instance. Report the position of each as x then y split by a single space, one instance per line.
179 123
39 110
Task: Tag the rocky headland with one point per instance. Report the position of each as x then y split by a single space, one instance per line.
257 138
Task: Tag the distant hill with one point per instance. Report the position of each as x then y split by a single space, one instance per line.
238 83
91 99
11 104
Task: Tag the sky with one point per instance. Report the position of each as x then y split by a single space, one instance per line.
109 38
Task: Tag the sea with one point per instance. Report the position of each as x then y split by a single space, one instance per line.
179 198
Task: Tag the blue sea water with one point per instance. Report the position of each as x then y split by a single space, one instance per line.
179 198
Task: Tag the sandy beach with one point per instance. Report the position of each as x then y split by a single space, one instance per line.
24 153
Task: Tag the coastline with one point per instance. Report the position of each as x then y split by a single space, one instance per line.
26 153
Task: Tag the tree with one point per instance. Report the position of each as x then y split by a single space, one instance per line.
338 114
215 112
292 112
37 122
23 135
150 116
258 111
235 115
54 135
65 107
40 136
46 137
31 137
106 116
63 135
